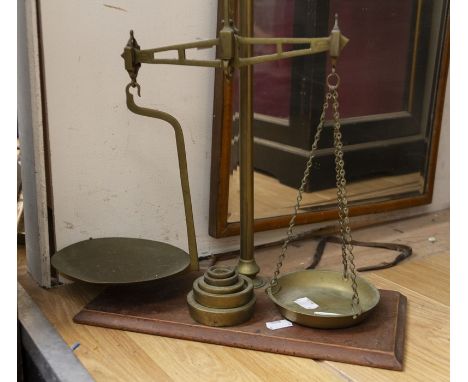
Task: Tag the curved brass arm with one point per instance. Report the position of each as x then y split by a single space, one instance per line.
192 241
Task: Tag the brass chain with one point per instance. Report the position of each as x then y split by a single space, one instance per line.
292 221
349 268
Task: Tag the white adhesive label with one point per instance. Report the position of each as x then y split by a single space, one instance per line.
306 303
273 325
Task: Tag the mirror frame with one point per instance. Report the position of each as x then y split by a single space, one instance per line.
221 156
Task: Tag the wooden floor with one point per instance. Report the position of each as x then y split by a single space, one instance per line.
275 199
112 355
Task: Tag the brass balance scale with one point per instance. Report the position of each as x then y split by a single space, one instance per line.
225 296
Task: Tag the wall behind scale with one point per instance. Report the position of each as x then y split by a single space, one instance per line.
115 173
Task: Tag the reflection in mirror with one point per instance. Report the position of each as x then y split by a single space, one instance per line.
389 73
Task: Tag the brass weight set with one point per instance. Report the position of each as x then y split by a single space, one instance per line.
221 297
225 296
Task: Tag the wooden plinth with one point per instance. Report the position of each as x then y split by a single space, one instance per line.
160 308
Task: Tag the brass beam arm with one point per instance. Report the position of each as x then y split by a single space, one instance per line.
316 45
134 56
149 56
333 44
230 45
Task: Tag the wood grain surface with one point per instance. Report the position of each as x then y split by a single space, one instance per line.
275 199
112 355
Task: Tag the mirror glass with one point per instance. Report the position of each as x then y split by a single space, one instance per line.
389 73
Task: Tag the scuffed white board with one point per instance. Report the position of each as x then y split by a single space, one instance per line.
31 134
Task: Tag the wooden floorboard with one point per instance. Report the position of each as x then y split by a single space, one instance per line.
427 277
112 355
427 347
273 198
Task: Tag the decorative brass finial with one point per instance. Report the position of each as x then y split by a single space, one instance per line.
336 27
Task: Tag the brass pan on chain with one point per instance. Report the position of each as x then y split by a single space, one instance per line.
330 292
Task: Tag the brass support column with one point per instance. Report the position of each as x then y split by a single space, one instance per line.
247 265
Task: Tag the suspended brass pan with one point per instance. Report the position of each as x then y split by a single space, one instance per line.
120 260
329 291
129 260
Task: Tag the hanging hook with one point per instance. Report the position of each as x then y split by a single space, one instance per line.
133 84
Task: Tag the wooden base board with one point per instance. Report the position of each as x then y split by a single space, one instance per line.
160 308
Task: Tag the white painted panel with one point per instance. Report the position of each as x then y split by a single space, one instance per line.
31 135
441 198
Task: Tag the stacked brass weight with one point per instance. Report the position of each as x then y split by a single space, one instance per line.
221 297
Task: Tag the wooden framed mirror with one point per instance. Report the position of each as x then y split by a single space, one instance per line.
393 78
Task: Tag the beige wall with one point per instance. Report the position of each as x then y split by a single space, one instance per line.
115 173
441 197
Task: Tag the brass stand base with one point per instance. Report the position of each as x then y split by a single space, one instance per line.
221 297
248 268
159 308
